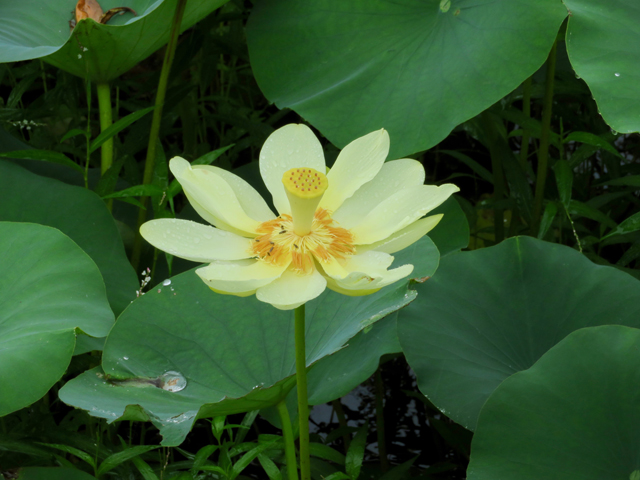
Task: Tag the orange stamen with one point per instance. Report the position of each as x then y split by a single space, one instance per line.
278 243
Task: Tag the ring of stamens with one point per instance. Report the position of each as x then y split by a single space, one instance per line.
278 243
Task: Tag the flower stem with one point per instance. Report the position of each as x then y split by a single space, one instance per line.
150 161
289 446
303 406
543 151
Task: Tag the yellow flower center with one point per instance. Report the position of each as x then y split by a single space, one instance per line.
326 241
309 232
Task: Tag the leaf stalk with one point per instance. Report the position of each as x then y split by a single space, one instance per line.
543 151
149 165
106 120
289 446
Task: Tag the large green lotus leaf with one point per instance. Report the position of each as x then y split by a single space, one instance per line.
48 288
338 374
53 473
602 39
235 354
574 415
36 28
417 68
489 313
77 212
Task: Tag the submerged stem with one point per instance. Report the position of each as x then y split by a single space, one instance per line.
382 447
342 421
150 161
303 405
289 446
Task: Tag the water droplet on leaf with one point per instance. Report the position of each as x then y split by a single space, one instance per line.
173 382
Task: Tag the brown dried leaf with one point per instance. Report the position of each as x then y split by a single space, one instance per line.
88 9
110 13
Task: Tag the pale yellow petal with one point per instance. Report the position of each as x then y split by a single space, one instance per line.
292 146
194 241
239 277
372 263
213 220
291 290
333 285
393 177
362 274
356 281
358 163
237 294
213 198
403 238
251 201
399 211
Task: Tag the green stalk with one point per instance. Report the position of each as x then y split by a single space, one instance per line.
382 447
88 136
106 120
95 458
526 110
188 110
104 105
543 151
303 405
150 161
499 186
44 77
289 446
142 432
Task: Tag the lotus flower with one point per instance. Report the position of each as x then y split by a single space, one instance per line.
335 230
